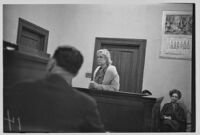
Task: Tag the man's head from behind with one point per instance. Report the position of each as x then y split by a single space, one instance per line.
68 58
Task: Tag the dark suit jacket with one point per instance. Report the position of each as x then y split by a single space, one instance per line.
49 105
178 115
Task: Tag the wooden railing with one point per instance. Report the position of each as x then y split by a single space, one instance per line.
122 111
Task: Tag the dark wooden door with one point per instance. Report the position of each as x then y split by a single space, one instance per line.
31 38
128 57
125 60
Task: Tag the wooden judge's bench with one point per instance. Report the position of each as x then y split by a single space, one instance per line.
120 111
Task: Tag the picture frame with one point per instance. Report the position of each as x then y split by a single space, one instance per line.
176 35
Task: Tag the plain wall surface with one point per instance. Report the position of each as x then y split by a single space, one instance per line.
79 25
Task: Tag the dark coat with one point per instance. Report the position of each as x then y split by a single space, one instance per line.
178 122
49 105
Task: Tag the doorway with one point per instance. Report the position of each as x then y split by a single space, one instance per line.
128 55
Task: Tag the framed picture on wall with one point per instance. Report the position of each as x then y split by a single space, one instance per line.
176 35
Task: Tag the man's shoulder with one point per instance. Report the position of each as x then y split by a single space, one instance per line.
25 86
84 97
24 83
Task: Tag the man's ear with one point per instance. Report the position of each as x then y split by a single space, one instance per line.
51 64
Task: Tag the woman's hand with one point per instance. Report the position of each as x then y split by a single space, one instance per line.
168 117
92 85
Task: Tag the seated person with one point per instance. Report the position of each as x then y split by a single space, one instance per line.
173 117
51 104
105 76
146 92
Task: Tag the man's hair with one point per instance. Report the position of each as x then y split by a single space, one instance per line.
69 58
175 91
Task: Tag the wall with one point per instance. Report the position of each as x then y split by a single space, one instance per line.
44 16
78 25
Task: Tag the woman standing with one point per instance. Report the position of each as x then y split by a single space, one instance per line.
105 76
173 117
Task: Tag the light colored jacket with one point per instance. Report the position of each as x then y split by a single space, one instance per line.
110 80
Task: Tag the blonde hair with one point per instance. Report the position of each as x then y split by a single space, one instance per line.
106 53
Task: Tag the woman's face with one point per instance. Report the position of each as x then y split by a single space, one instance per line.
101 60
174 98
